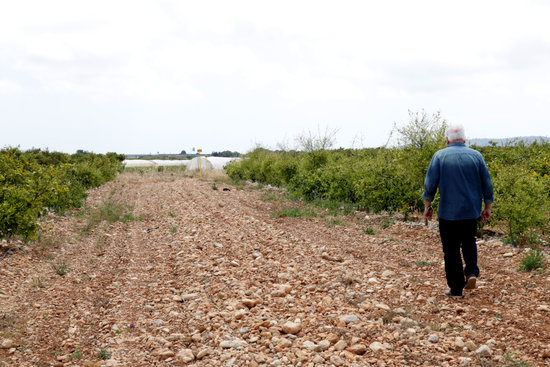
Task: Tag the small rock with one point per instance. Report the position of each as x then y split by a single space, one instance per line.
340 345
470 345
433 338
349 318
165 354
177 298
322 346
235 343
509 254
282 290
459 343
483 351
250 302
358 349
377 346
382 306
388 274
189 296
407 322
7 344
337 360
544 308
464 361
203 353
421 299
318 359
290 327
185 356
309 345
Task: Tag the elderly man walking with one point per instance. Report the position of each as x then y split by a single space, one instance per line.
464 184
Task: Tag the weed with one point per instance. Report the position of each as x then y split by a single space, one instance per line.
174 229
37 283
498 316
47 241
424 263
368 230
269 197
336 222
409 250
110 212
77 354
511 362
61 268
171 214
214 186
533 259
103 354
388 222
296 213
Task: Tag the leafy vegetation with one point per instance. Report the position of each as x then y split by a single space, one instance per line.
35 182
533 259
390 179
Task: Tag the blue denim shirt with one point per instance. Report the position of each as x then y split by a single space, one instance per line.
463 180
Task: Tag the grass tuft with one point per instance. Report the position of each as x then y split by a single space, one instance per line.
532 259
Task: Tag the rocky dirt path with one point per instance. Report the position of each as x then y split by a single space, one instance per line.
210 278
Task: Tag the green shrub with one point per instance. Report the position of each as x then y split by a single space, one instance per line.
532 260
521 202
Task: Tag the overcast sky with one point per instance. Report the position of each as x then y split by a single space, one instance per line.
165 76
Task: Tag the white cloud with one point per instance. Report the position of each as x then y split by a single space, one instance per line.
9 87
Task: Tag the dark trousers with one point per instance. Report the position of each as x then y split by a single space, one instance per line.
457 235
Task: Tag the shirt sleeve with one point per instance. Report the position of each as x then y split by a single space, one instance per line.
432 180
486 183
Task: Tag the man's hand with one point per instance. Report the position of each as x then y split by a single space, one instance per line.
486 213
428 210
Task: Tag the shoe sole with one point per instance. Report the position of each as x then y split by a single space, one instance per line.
450 295
471 283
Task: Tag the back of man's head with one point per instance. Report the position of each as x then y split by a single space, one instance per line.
455 132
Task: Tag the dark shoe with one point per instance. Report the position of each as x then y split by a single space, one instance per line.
450 294
471 282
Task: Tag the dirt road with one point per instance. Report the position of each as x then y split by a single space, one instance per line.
208 277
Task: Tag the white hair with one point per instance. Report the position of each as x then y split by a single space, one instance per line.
455 132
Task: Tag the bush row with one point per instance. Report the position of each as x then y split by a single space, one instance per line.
34 182
391 179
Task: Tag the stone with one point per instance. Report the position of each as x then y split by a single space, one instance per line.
185 356
7 344
459 343
235 344
433 338
358 349
250 302
470 345
509 254
165 354
406 322
282 290
309 345
203 353
290 327
337 360
377 347
483 351
322 346
388 274
340 345
189 296
464 361
382 306
318 359
544 308
349 318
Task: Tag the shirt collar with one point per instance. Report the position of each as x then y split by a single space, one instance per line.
457 144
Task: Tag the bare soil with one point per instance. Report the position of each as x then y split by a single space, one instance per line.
209 277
